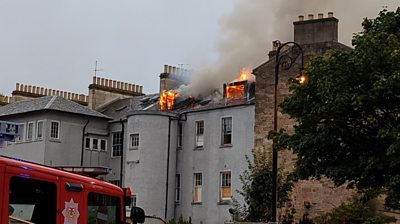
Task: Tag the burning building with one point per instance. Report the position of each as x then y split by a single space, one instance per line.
242 88
182 154
173 96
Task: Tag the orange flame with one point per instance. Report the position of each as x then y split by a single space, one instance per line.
245 74
167 99
235 91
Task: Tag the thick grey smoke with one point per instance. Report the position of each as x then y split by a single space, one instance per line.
248 31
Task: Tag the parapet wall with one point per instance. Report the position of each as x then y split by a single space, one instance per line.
23 91
4 100
117 85
103 91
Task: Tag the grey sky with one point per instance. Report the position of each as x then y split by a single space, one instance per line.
55 44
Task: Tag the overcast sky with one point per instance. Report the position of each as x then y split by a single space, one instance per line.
54 44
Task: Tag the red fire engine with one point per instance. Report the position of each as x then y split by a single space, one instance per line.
38 194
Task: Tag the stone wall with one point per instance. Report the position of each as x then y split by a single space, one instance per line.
103 90
25 92
313 197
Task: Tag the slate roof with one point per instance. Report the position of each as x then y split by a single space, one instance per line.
120 108
54 103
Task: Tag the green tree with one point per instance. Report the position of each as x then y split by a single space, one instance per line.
348 112
356 212
256 190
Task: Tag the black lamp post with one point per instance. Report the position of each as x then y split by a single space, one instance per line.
286 60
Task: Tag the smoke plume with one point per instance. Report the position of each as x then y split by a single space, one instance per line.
248 31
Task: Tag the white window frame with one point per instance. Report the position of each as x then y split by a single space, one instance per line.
58 130
88 139
180 135
105 145
95 146
30 130
39 131
133 200
113 146
134 141
199 137
225 132
221 185
21 133
197 187
177 188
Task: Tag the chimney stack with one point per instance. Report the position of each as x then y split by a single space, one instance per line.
316 30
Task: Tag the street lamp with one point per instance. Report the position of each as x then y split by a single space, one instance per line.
286 60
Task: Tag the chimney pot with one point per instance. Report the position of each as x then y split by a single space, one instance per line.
165 68
310 16
320 15
301 18
330 14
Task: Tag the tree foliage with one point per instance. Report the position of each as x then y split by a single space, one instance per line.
356 212
256 190
348 112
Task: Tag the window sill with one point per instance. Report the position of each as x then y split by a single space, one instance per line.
226 146
197 203
199 148
55 140
179 148
225 202
137 148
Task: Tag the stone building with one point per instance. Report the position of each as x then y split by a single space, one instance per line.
315 36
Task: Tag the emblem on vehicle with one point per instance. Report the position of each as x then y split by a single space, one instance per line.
71 212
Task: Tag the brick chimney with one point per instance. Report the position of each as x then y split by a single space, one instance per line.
103 90
316 30
172 78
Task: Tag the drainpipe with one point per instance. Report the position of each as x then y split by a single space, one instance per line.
122 151
83 140
166 183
